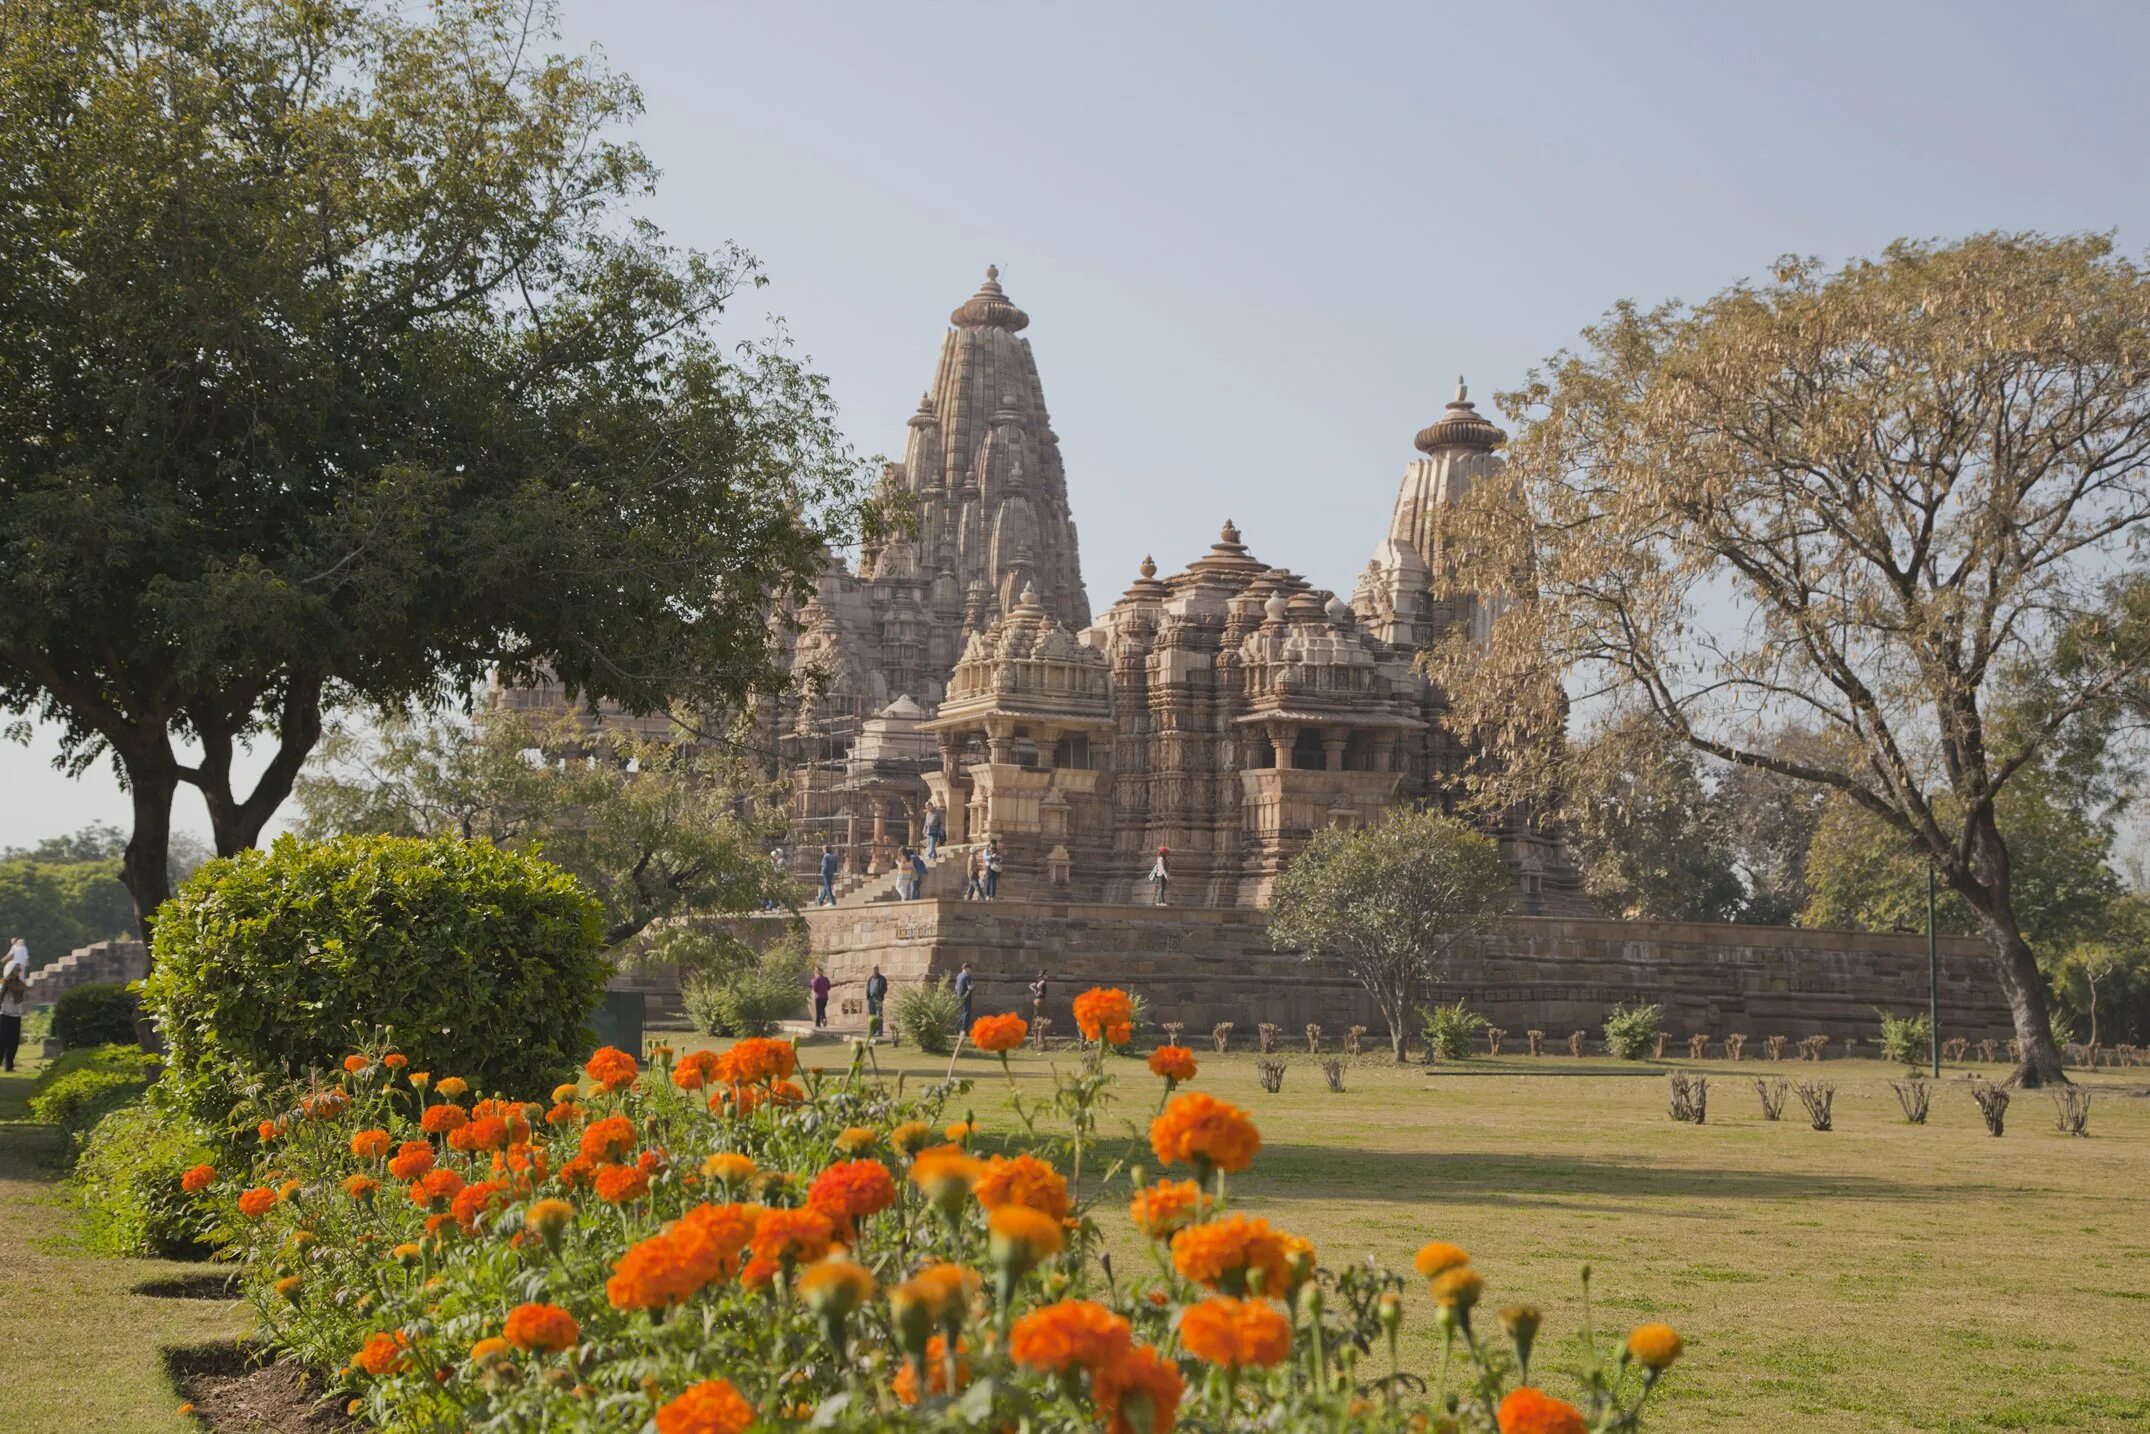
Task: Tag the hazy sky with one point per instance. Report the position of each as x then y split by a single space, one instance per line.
1258 243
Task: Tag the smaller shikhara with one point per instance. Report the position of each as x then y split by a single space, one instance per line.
722 1240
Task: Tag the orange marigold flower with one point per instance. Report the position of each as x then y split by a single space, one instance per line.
851 1190
487 1132
835 1286
200 1178
1161 1210
757 1060
1104 1013
1069 1335
1235 1333
905 1385
435 1187
701 1246
1438 1256
267 1131
711 1407
395 1060
696 1070
1173 1063
565 1113
577 1172
608 1139
257 1202
797 1235
1654 1346
355 1064
1023 1238
909 1138
612 1068
546 1328
1024 1180
1200 1130
360 1187
618 1184
729 1167
1459 1288
383 1353
325 1105
370 1144
443 1119
998 1034
1227 1254
943 1290
1139 1392
1528 1411
473 1201
413 1159
947 1174
489 1350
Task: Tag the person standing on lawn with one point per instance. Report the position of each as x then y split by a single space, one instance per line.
14 990
820 987
876 993
963 990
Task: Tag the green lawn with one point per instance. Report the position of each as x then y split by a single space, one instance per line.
1880 1276
79 1350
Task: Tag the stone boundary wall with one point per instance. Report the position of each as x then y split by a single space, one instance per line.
1202 965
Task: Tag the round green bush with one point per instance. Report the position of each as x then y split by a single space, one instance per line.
127 1181
101 1013
473 961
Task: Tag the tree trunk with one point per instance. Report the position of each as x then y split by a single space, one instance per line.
235 825
2040 1063
152 781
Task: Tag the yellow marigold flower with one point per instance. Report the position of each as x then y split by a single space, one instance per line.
857 1139
729 1168
1654 1346
289 1287
961 1132
547 1218
835 1286
1433 1258
421 1079
947 1175
407 1253
452 1086
563 1092
1020 1238
910 1137
489 1351
941 1292
1458 1288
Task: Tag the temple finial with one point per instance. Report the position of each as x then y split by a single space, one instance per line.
1149 566
1463 394
992 273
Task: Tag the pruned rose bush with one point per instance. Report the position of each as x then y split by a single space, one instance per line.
721 1241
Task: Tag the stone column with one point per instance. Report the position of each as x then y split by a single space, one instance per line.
999 740
1332 749
1283 736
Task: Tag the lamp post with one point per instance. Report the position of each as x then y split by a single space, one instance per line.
1933 982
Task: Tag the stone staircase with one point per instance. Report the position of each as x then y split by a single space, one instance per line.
103 961
945 879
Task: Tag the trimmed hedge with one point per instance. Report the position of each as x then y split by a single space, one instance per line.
467 958
127 1181
84 1085
100 1013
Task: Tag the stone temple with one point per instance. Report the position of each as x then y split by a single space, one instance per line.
1226 711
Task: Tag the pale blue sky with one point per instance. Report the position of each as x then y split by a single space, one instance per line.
1258 242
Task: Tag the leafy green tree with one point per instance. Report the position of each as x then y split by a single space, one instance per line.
1880 504
1643 830
1389 903
654 829
333 370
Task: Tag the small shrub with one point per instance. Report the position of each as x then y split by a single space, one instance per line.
1575 1042
926 1016
1733 1046
1816 1096
750 1000
1265 1037
467 958
1772 1092
1355 1041
1906 1040
1220 1036
97 1014
1536 1040
1450 1030
1272 1074
1332 1070
1915 1096
2071 1110
1494 1036
1313 1038
1992 1105
85 1085
1689 1097
1631 1030
127 1181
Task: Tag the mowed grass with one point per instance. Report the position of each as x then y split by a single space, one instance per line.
1879 1276
79 1349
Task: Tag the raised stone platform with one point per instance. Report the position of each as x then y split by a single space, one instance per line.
1202 965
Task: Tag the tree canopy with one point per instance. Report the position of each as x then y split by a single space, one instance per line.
1389 903
1877 503
334 370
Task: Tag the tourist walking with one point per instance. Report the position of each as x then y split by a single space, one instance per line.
876 993
1037 996
974 869
14 990
1161 873
992 869
820 987
963 990
918 875
936 830
827 894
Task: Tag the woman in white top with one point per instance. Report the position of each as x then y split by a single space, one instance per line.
1160 874
14 986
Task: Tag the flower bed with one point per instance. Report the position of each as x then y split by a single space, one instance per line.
724 1240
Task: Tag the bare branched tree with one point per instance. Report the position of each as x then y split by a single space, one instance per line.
1896 505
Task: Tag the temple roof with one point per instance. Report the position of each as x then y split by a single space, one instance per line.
989 307
1460 426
